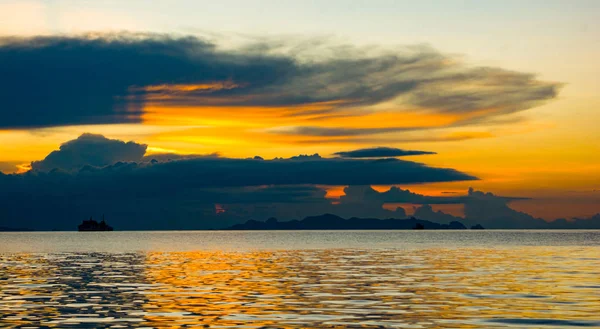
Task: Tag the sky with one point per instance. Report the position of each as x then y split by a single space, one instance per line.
500 96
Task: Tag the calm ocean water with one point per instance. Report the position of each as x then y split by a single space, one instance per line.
307 279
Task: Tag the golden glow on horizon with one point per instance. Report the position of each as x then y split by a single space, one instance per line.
535 157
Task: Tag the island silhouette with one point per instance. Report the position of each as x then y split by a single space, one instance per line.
92 225
333 222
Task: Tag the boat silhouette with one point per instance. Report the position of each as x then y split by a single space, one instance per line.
92 225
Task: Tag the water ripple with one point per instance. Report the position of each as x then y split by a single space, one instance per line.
324 288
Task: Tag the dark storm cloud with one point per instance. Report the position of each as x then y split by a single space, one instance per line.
493 211
366 194
220 172
182 192
96 175
55 201
92 173
50 81
165 157
60 80
300 194
92 158
489 210
90 149
380 152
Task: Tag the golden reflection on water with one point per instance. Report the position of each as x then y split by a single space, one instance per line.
433 288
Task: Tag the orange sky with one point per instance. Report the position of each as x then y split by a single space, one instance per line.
548 152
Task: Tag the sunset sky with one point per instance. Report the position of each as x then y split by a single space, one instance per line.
502 91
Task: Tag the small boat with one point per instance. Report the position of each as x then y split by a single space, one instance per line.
92 225
419 226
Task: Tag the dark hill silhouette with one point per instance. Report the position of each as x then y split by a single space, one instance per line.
333 222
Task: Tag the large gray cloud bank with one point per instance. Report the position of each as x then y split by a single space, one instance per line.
93 172
65 80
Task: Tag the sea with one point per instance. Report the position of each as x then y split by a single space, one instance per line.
301 279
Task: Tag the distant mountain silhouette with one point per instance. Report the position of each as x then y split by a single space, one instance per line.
333 222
